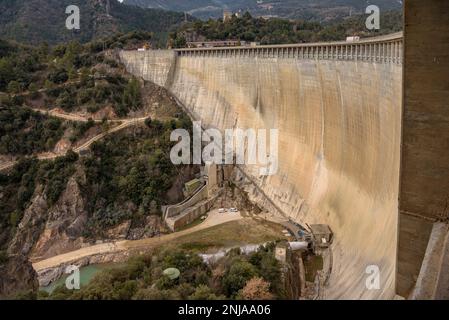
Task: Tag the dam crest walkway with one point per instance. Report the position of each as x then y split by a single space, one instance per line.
382 49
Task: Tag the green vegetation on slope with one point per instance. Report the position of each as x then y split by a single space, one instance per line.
18 186
35 21
236 276
70 76
317 10
279 31
24 131
128 175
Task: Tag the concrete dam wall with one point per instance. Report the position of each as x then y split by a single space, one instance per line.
338 112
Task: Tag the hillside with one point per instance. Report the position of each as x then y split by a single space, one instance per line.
319 10
281 31
34 21
114 190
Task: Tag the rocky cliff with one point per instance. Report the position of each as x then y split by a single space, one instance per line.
17 275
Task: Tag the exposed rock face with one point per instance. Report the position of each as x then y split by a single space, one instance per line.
62 146
151 228
119 232
65 224
107 113
31 226
186 173
17 275
42 232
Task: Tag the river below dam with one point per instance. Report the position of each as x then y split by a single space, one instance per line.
86 275
88 272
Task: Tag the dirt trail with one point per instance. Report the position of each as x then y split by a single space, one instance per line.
212 220
58 113
74 117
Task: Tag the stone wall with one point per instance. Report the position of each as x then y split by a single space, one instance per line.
189 215
176 209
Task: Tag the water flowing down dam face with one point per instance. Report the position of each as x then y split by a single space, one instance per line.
339 128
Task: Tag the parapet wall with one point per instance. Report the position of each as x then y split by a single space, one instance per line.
188 216
176 209
339 143
383 49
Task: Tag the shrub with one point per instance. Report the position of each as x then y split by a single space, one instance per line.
203 292
3 257
14 87
256 289
237 276
58 76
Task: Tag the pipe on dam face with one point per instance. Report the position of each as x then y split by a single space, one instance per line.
339 144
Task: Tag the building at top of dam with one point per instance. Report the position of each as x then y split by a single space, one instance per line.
339 111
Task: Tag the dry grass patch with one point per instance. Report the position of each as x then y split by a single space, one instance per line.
247 231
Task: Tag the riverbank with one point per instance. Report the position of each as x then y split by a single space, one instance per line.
217 231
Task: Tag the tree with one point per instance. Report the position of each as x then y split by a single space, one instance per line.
6 73
203 292
44 49
148 122
72 73
33 90
66 101
131 96
237 276
14 218
3 257
256 289
13 87
59 50
85 73
126 290
58 76
155 294
48 84
180 42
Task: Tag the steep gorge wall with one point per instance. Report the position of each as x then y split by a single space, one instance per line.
339 144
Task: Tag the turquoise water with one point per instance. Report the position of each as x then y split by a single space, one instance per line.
86 274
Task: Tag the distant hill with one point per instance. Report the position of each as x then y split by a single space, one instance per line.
319 10
282 31
34 21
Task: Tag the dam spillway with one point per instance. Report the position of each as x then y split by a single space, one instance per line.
337 107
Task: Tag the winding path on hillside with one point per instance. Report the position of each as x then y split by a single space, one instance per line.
124 123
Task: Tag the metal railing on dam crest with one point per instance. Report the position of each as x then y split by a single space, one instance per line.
383 49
